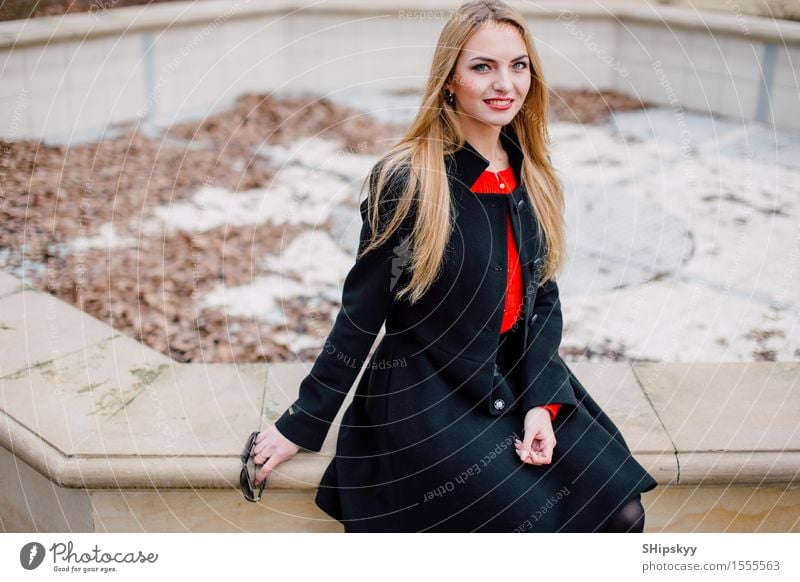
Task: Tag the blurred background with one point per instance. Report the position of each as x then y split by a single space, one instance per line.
14 9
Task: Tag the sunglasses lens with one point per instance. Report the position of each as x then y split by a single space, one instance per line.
245 482
249 447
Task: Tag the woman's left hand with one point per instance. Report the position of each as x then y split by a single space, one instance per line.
539 440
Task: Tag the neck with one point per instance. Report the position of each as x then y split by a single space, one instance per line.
486 140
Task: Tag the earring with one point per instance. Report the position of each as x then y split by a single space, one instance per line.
449 97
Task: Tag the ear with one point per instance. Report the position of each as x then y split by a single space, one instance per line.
449 85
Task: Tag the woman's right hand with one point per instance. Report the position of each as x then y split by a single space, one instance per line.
539 440
274 448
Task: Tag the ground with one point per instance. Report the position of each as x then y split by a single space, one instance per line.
226 239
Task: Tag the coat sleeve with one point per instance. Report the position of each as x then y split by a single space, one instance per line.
548 377
367 295
552 409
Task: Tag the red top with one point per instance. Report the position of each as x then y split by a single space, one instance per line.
504 182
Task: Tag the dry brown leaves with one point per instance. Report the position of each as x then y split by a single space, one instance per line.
54 194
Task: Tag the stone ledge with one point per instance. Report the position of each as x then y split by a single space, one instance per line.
18 33
114 414
729 423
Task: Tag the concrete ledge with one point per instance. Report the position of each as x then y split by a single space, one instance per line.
100 435
69 79
739 509
17 33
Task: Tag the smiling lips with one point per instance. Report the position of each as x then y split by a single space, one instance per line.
498 103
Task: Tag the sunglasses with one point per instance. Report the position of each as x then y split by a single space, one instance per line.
245 482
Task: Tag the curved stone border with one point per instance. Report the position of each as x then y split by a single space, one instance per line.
102 433
18 33
99 410
175 61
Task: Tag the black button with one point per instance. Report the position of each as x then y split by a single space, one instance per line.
499 404
498 268
520 203
533 317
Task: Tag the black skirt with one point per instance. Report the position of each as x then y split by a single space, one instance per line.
508 370
413 455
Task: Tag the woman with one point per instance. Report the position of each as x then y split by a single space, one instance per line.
462 235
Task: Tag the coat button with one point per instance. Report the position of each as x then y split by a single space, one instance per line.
498 268
499 404
520 203
533 317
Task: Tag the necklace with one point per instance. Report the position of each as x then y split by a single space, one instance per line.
502 160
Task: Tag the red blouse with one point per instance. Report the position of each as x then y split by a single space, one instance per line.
504 182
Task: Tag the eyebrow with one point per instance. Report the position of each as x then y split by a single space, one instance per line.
494 61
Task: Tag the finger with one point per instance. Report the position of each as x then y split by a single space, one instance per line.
528 443
533 458
522 452
262 455
266 470
259 445
543 456
548 445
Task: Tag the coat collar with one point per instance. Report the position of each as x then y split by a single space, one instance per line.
466 165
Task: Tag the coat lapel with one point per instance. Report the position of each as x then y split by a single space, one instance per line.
465 166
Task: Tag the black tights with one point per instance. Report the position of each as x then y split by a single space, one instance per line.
629 518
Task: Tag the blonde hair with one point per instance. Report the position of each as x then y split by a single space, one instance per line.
436 132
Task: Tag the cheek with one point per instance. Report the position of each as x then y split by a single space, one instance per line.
472 86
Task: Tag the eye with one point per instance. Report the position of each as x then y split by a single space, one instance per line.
475 68
524 65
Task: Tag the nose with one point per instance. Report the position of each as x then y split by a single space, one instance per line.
502 82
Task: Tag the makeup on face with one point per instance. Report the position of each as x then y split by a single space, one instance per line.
492 76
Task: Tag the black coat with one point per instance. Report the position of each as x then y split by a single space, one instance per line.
427 442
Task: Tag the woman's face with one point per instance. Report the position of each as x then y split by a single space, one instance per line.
492 75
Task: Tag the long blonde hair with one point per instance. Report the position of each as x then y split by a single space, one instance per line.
436 132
